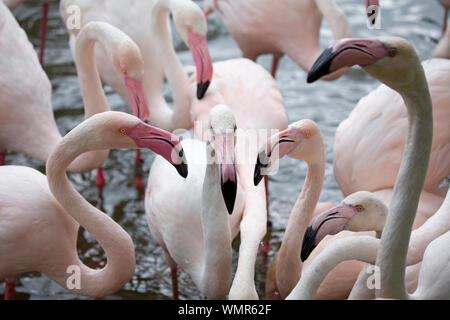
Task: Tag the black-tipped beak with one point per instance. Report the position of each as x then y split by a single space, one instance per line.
322 66
202 87
182 169
308 244
229 191
257 176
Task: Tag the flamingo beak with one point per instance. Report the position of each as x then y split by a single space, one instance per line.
326 223
277 147
138 98
224 144
198 45
347 53
162 142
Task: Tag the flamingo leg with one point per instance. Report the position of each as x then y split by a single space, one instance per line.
45 6
174 273
265 246
275 60
9 290
100 182
2 158
444 24
139 173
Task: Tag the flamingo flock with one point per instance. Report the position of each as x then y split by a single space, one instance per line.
225 129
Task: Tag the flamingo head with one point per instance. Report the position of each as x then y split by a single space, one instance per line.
301 140
360 211
388 59
221 145
191 24
123 130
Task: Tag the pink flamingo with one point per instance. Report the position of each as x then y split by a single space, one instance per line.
12 4
394 62
34 97
256 101
195 232
151 31
44 238
364 211
428 243
280 27
302 140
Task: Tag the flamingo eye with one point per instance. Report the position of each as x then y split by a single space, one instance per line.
359 208
123 131
308 133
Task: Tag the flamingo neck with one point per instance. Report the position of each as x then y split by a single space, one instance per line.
363 248
410 180
177 78
216 273
116 243
289 265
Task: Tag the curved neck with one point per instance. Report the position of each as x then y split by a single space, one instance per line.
94 98
173 70
216 274
116 243
289 264
410 180
361 248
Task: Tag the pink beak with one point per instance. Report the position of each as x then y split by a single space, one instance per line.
138 98
161 142
328 222
347 53
225 156
197 44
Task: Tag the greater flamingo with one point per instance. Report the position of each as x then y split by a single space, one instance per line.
427 242
39 217
280 27
302 140
394 62
195 233
147 23
27 124
253 95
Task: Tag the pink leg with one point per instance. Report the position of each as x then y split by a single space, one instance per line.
265 246
44 20
2 158
275 61
444 25
139 173
9 290
100 181
173 271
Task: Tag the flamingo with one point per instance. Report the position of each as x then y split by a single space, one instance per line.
302 140
33 97
364 211
12 4
428 243
44 238
195 234
394 62
147 23
280 27
253 95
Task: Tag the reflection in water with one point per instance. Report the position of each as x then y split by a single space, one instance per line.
326 103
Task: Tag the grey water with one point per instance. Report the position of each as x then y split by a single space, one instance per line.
326 103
